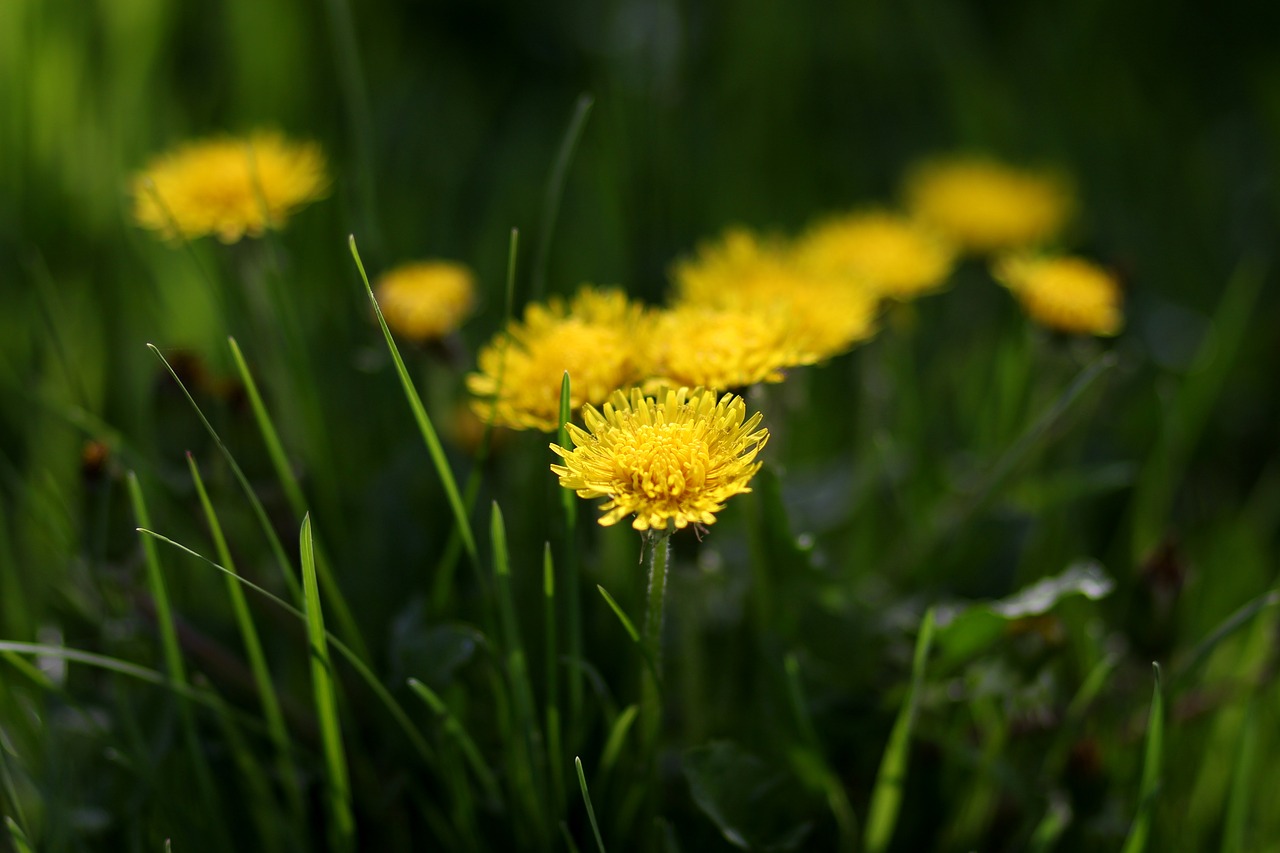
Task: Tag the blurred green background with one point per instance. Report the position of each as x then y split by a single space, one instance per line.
442 122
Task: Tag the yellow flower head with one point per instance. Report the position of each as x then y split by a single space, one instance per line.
427 299
986 206
888 254
1064 293
521 370
228 187
674 459
743 272
718 348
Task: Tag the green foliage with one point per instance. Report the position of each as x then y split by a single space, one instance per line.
931 623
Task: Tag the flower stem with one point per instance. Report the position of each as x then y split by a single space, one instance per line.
659 542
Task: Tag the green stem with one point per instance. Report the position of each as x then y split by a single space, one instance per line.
659 542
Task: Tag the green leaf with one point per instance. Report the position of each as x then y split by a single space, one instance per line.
744 797
1137 840
966 631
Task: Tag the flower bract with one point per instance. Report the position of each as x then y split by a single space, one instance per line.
672 460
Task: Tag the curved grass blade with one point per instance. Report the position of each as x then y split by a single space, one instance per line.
424 420
630 628
1237 620
555 190
1141 828
362 669
270 437
586 798
1242 787
17 836
886 797
617 737
343 826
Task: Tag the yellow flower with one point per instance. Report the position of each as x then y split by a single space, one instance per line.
718 348
1064 293
426 299
674 459
229 187
743 272
886 253
986 206
521 370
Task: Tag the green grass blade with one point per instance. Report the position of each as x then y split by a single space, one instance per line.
270 436
1242 785
1237 620
259 511
552 664
271 712
886 796
572 583
1141 828
17 836
555 191
627 624
362 669
172 651
424 421
586 798
326 700
837 799
617 737
454 728
1050 828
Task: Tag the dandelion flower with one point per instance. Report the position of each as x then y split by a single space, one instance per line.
986 206
1064 293
888 254
426 299
718 348
741 271
672 460
229 187
521 370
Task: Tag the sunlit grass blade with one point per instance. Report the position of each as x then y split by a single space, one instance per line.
552 665
270 436
586 799
259 511
172 652
517 666
886 796
454 728
253 650
17 836
425 426
1242 785
362 669
617 737
326 700
1141 828
572 584
555 190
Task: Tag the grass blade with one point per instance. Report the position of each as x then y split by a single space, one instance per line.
454 728
1242 787
627 624
837 799
270 437
617 736
886 797
362 669
17 836
572 584
1137 840
253 650
555 190
586 798
424 421
342 828
549 627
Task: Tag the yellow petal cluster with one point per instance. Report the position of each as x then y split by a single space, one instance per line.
986 206
744 272
521 369
1064 293
671 460
425 300
718 348
886 253
229 187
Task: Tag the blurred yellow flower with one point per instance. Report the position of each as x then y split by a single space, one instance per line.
521 370
425 300
718 348
229 186
886 253
671 460
986 206
1064 293
741 271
